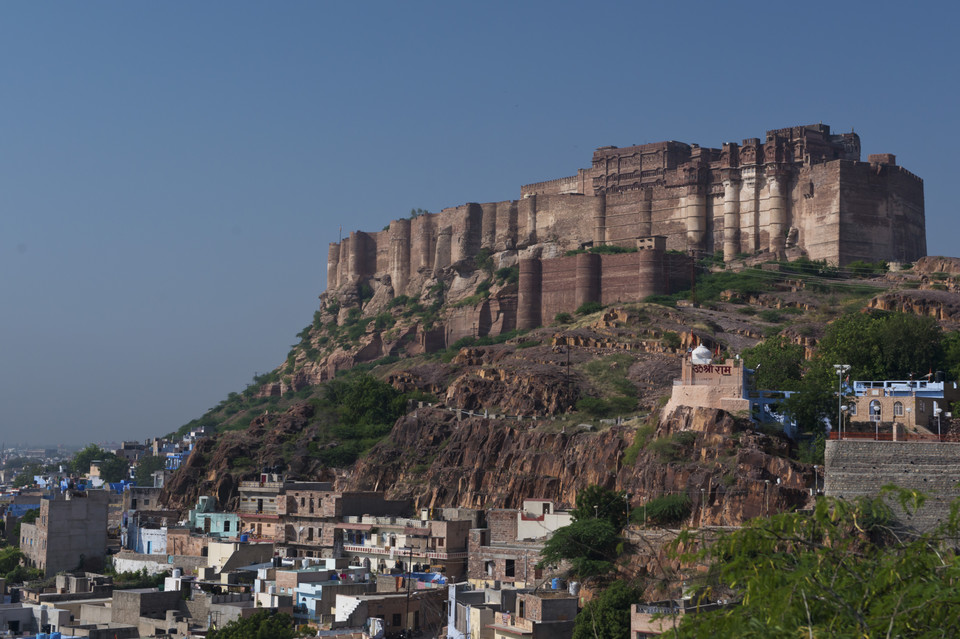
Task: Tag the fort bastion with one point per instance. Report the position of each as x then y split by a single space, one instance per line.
799 191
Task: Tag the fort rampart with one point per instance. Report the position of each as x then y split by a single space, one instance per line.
798 187
801 191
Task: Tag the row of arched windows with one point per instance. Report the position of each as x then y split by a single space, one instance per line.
876 410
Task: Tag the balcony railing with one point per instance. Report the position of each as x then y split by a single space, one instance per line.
400 553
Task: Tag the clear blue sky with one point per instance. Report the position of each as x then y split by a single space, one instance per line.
171 173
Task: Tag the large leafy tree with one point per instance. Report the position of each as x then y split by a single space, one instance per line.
590 546
112 468
146 466
777 362
592 542
597 502
363 400
882 345
9 559
262 625
25 476
877 345
607 616
838 572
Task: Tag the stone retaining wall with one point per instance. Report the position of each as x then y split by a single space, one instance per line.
862 468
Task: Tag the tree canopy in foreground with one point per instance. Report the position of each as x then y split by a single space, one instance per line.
841 571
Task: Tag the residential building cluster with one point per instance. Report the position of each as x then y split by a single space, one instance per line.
338 561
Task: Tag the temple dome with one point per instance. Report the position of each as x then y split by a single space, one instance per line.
701 355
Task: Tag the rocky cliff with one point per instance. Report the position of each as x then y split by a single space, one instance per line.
623 359
729 471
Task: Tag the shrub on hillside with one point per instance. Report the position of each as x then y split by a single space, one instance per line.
667 509
589 307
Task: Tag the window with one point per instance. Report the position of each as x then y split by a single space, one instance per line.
226 526
853 409
146 502
898 409
510 570
396 623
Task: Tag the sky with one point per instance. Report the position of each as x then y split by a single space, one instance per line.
171 173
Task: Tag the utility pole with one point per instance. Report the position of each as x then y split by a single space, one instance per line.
841 369
406 622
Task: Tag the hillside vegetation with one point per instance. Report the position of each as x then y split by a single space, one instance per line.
598 364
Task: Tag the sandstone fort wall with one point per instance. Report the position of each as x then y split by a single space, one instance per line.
798 191
800 186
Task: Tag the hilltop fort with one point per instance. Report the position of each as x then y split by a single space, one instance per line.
637 218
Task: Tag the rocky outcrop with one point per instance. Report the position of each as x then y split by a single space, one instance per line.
729 472
536 390
217 465
944 306
937 264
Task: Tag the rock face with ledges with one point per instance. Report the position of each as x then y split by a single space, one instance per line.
729 472
941 305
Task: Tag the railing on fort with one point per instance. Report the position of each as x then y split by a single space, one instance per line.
887 437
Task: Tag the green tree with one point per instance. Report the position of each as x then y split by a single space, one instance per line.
951 354
80 464
883 345
364 399
143 475
607 616
21 574
262 625
25 477
9 559
601 503
875 346
816 400
838 572
777 362
590 545
112 468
